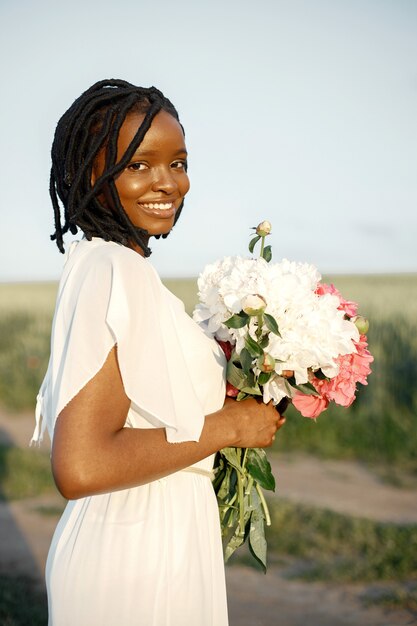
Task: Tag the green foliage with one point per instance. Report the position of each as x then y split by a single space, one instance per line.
267 253
339 547
239 476
259 468
24 353
237 321
21 603
253 243
24 473
271 324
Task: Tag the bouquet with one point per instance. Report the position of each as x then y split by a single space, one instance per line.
287 337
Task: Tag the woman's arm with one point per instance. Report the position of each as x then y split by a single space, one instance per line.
92 453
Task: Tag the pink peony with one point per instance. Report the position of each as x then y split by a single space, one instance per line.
347 306
309 406
353 368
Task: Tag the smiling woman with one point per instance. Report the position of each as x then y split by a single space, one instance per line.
139 542
152 187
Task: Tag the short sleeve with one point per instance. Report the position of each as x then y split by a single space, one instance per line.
111 295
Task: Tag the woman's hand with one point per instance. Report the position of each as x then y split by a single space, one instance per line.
254 423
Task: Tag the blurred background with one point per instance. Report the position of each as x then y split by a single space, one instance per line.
299 112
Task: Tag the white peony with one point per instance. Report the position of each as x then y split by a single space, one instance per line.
314 332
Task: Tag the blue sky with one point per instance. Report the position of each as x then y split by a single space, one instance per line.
302 112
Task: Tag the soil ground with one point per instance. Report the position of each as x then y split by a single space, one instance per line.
254 599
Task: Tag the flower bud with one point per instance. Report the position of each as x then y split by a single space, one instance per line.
361 323
263 229
253 304
266 363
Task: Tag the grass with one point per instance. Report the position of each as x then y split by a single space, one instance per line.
24 473
341 548
34 298
399 596
21 602
24 354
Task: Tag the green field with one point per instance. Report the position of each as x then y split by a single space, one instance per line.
379 295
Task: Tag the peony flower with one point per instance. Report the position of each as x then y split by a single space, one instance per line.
309 406
361 323
347 306
263 229
266 363
253 304
314 332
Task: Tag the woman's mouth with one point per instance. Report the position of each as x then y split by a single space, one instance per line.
159 209
158 205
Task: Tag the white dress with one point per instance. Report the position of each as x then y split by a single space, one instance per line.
151 555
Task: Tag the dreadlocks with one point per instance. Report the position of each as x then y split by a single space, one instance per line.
92 123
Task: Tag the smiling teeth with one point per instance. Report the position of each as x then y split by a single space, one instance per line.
160 206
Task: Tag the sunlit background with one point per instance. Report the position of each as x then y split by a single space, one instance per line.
301 112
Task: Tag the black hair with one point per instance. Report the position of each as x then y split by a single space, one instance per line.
92 122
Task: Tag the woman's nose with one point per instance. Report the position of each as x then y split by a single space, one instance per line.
164 181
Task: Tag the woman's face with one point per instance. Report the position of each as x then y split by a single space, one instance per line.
152 186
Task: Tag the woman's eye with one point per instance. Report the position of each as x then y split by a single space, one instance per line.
179 165
137 167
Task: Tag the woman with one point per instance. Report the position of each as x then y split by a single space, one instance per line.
134 394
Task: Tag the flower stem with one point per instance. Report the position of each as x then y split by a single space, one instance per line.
244 459
264 505
262 247
249 486
260 325
241 497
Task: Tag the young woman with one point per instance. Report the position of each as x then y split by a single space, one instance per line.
133 398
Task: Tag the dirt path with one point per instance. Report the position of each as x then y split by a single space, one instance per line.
254 599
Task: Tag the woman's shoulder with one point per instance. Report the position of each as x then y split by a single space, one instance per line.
100 257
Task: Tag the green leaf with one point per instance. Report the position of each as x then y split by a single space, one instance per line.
264 341
241 396
267 253
237 321
264 377
271 324
222 487
253 243
246 360
260 468
234 543
233 455
252 391
307 389
257 541
235 375
253 348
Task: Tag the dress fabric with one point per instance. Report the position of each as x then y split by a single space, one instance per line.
149 555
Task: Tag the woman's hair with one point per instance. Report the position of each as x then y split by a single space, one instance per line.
92 123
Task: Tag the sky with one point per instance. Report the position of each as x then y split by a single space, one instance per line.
302 112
